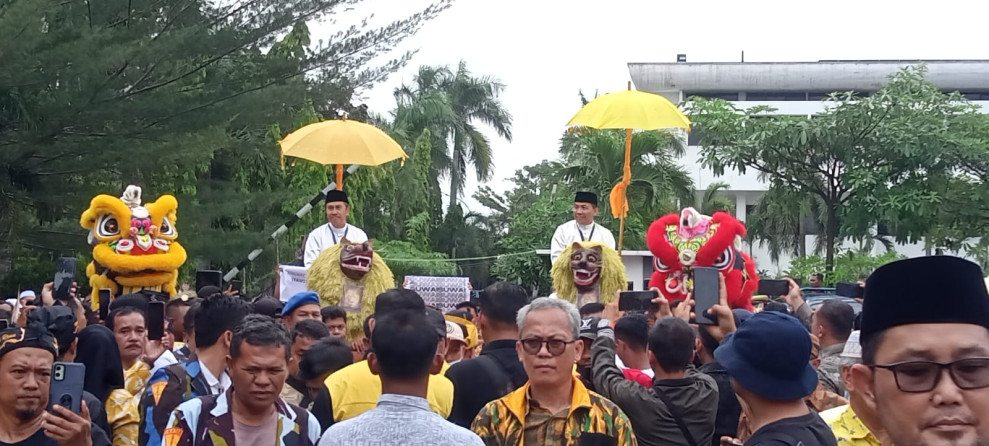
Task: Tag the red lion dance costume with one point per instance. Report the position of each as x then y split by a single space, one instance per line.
681 242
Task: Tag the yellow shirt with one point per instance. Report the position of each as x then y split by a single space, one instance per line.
122 406
355 390
848 429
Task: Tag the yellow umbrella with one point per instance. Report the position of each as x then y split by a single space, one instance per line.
342 141
628 110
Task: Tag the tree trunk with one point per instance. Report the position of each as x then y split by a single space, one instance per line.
456 175
801 235
830 236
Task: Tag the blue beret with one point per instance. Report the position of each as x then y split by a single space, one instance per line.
298 300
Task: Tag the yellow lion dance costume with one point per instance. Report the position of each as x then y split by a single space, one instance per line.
134 246
587 269
348 265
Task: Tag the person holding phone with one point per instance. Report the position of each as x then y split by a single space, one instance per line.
26 359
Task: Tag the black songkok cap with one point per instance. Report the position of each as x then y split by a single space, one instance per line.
34 335
336 195
586 197
902 293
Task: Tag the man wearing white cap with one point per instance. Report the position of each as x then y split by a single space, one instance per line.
27 297
854 424
456 342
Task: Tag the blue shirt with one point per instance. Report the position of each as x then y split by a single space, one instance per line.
399 420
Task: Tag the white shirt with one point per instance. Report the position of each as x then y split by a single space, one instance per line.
571 231
326 236
216 385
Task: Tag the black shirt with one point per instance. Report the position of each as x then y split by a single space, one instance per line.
40 439
729 410
478 381
806 430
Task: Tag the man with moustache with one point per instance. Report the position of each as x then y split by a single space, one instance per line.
335 230
26 358
925 351
250 412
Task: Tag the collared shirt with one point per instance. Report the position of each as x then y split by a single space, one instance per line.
570 232
544 427
399 419
848 429
355 390
326 236
216 385
123 405
831 363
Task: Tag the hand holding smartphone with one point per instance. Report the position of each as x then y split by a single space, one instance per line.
67 381
707 293
64 276
637 301
156 321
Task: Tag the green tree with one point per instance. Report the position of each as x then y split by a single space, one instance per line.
866 160
710 201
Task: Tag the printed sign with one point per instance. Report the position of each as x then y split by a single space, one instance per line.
292 281
443 293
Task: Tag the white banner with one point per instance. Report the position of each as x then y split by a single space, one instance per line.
292 281
441 292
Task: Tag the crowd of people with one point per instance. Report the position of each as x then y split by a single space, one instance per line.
506 368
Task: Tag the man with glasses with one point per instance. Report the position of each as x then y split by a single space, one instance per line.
925 351
554 407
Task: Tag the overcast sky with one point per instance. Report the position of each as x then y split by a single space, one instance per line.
545 51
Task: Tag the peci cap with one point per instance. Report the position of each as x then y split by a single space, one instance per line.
298 300
770 355
586 197
268 306
337 196
34 335
901 293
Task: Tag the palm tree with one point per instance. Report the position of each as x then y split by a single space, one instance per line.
452 104
711 202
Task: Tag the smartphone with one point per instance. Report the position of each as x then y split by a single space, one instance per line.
593 439
208 278
637 301
66 386
849 289
773 288
237 286
104 296
4 324
64 275
156 320
707 293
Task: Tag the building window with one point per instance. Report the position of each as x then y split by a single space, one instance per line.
712 95
775 96
694 138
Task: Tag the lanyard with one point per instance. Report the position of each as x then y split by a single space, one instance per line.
346 229
593 227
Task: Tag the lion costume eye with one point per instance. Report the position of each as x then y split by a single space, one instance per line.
725 261
107 226
660 266
166 228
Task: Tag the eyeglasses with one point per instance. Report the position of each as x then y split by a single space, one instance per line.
924 376
555 347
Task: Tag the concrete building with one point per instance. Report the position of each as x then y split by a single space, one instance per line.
792 88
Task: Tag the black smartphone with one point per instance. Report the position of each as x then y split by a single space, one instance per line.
593 439
67 381
237 286
64 275
637 301
104 296
156 320
4 323
773 288
707 292
209 278
848 289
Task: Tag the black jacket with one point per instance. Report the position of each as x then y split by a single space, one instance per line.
478 381
729 409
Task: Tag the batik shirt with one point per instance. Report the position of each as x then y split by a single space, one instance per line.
122 406
502 422
848 428
207 421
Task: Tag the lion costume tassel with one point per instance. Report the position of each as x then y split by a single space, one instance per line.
135 246
680 242
588 272
352 276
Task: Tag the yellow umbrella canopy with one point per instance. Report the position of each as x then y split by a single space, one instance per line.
631 110
628 110
342 141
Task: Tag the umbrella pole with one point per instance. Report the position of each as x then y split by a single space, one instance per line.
339 176
626 178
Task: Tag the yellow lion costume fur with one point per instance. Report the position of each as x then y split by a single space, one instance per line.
326 278
135 246
611 278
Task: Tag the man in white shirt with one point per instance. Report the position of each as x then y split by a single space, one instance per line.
335 230
582 228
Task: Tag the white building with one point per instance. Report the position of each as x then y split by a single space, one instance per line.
792 89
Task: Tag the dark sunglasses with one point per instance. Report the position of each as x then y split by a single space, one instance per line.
924 376
555 347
